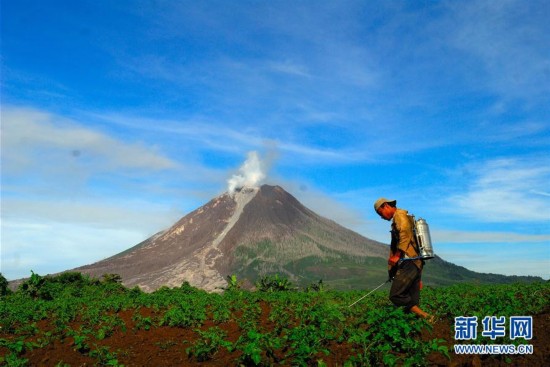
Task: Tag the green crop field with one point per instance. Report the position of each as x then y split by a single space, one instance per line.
72 320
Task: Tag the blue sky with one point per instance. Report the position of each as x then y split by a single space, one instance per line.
120 117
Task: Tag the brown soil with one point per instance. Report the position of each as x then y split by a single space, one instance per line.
166 346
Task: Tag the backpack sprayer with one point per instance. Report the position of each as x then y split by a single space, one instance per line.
421 232
425 249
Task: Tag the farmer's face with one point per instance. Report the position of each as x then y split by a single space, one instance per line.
385 212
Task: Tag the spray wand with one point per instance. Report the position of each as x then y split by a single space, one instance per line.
370 292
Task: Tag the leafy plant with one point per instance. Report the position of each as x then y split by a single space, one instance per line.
16 348
220 313
13 360
70 277
257 348
208 344
184 315
105 357
305 342
33 287
316 287
4 290
232 283
107 326
141 322
80 340
273 283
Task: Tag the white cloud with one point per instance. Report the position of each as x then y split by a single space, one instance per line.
505 190
105 213
540 193
202 135
289 68
53 234
197 133
52 247
50 235
34 140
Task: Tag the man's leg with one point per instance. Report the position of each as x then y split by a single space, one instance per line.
405 289
415 300
400 289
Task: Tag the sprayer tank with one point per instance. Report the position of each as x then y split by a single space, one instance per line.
424 239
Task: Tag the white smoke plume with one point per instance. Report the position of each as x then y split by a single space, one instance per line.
251 173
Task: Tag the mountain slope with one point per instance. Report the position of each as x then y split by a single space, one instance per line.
275 229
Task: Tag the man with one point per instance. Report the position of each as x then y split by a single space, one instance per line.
406 274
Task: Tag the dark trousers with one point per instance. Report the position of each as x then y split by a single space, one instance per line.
405 288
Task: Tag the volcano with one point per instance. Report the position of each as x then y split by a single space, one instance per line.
250 233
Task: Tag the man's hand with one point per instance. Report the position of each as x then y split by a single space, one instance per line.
393 260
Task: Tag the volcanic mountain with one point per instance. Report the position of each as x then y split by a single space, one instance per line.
252 232
259 231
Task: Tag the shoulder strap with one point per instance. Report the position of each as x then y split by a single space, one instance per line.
415 241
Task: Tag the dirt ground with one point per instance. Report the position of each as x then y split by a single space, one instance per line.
165 346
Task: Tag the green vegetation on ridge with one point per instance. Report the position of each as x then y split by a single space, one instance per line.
346 272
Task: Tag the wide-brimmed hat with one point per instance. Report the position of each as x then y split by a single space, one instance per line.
378 203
